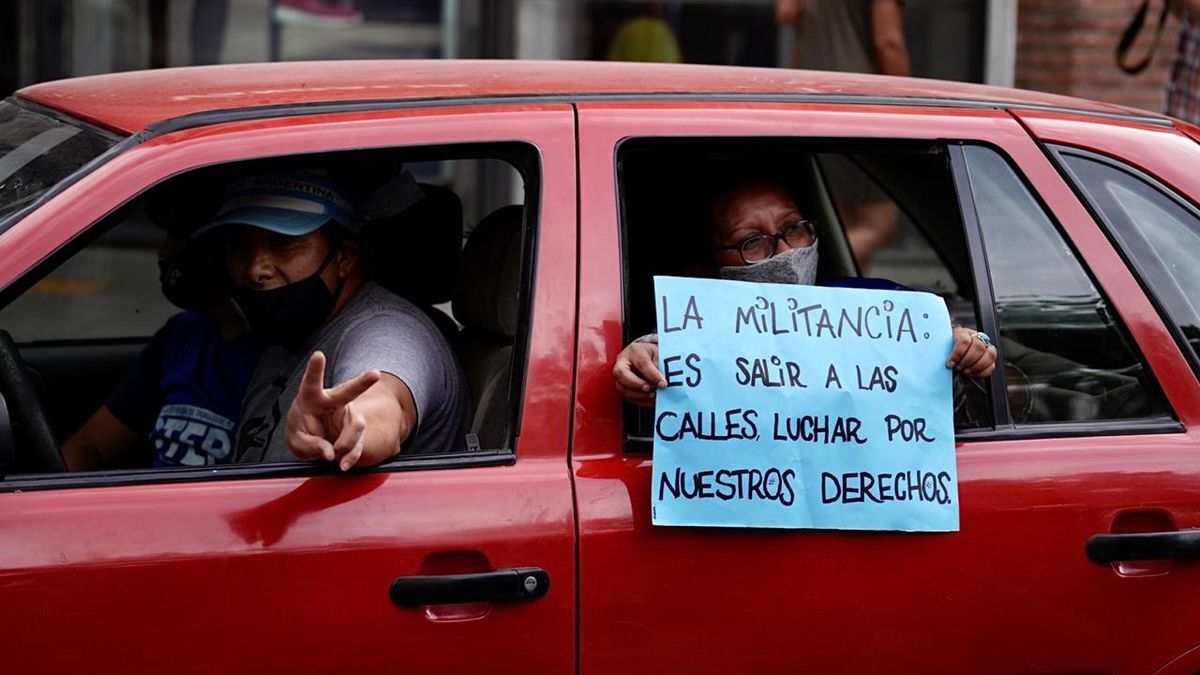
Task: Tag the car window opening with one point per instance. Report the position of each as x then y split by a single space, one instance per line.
889 211
458 247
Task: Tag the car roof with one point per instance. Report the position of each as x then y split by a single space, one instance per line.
130 102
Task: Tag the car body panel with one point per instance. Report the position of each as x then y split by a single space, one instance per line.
129 102
203 577
271 573
1162 152
230 575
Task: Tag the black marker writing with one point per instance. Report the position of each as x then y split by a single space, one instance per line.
691 314
856 487
832 377
877 322
907 430
769 372
726 484
707 426
822 429
691 362
880 378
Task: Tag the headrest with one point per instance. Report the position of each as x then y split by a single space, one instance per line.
415 253
489 277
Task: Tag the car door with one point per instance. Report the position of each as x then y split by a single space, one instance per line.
1135 181
248 568
1014 590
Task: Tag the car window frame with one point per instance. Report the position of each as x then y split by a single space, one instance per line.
1005 428
1161 294
531 172
1002 427
637 444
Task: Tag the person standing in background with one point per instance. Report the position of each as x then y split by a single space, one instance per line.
207 32
857 36
644 35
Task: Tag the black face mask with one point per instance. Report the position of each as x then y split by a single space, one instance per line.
289 315
186 280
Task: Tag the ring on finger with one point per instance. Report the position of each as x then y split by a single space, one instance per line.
984 338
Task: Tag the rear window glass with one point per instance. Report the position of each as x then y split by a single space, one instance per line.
1158 230
1067 356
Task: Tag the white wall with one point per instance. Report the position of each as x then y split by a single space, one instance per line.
1000 55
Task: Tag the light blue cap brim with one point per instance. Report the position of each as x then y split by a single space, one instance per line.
281 221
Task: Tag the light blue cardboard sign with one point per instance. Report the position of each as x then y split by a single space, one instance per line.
801 406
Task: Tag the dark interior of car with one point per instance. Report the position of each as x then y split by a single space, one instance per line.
661 215
1068 369
461 252
661 179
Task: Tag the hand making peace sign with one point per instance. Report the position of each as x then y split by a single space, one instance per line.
327 423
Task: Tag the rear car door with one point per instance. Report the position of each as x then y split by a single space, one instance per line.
243 568
1057 452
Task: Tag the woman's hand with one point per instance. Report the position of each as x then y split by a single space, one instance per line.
971 354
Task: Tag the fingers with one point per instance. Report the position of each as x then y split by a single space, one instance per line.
309 446
979 361
312 384
302 432
970 355
645 361
962 342
350 459
636 374
318 415
350 442
975 349
985 371
638 397
627 379
351 389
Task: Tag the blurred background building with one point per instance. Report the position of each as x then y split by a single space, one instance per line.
1063 46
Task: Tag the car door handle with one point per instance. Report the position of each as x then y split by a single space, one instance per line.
1110 548
507 585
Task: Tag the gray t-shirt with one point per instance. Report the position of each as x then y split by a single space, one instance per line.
376 329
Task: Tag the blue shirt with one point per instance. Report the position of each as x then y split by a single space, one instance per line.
185 390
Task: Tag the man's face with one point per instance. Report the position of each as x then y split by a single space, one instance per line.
749 210
263 260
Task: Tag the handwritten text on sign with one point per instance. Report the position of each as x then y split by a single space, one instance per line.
801 406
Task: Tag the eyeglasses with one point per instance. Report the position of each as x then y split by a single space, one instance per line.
760 247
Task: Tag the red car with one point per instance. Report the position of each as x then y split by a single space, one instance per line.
1068 229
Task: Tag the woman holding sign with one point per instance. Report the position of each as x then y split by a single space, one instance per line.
757 233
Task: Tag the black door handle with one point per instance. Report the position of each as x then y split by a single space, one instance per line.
1110 548
518 583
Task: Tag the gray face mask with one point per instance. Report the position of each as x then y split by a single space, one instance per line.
794 266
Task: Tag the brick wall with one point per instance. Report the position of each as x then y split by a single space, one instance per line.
1066 47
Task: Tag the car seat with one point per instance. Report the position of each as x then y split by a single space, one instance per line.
486 302
415 253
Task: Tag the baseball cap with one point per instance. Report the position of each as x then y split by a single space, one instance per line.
288 203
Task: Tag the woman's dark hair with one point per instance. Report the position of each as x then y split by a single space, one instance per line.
731 176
